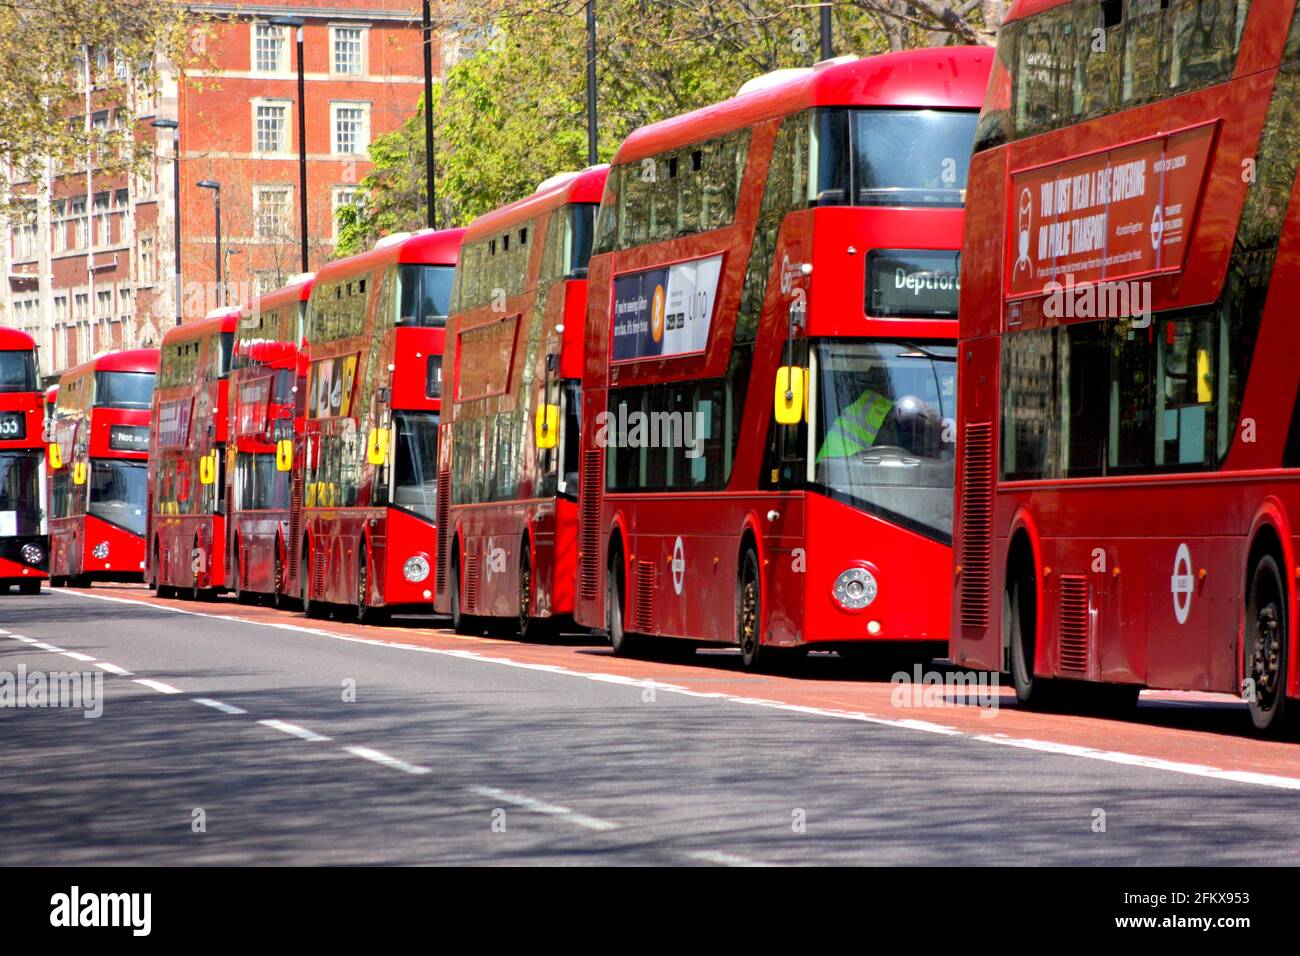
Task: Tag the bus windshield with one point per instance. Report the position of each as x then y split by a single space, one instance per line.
123 389
117 493
881 428
577 245
892 157
20 492
425 294
415 476
17 371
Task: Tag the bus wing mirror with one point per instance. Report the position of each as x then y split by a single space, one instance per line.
377 446
284 454
55 455
548 426
79 473
791 389
208 468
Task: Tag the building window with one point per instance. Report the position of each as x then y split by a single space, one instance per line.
349 50
271 211
351 128
270 127
343 195
61 309
81 307
103 221
126 303
270 49
59 227
148 264
25 241
104 304
81 232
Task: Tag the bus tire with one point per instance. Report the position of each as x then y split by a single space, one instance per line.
749 614
242 594
279 597
459 619
530 628
311 608
1267 629
366 614
1032 692
623 643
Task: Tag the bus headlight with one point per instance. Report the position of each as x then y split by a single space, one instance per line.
855 589
100 551
416 568
32 553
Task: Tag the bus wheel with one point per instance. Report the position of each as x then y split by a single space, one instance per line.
623 643
1266 638
459 619
279 597
311 608
365 613
530 628
1019 619
749 603
242 595
29 587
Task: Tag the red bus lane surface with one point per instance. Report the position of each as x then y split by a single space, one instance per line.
1203 735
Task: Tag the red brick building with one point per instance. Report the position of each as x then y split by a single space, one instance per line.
94 270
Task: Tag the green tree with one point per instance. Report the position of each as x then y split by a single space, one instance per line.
511 112
44 51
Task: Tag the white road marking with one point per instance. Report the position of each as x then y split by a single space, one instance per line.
219 705
78 656
377 756
158 685
41 645
293 730
1117 757
723 859
113 669
3 631
550 809
25 640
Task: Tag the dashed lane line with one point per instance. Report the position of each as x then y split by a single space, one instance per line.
219 705
379 757
294 730
1087 753
549 809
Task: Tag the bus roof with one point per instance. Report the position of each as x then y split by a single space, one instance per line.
298 290
585 185
953 77
1027 8
218 320
428 247
132 360
12 340
51 393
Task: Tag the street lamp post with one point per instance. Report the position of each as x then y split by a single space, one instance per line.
827 50
175 127
427 25
592 155
216 194
297 24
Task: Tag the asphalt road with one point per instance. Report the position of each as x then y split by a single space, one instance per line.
456 751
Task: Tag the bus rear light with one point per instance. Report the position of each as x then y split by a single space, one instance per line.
416 568
855 588
873 628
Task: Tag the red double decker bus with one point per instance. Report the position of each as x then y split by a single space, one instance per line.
99 507
267 402
365 471
769 381
187 463
508 469
1130 427
24 532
